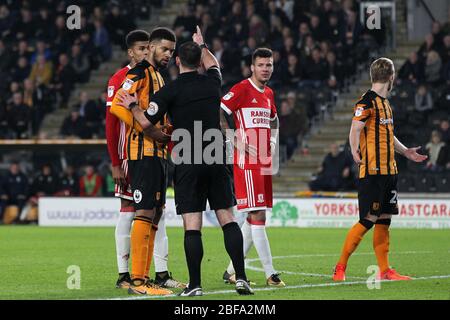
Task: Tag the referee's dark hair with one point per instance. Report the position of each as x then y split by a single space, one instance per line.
135 36
261 53
190 55
159 34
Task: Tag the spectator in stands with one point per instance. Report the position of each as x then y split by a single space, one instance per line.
89 50
25 28
69 182
22 50
118 27
74 126
42 70
14 188
6 22
208 27
19 117
428 46
80 64
60 35
317 29
41 49
334 68
292 73
424 102
44 24
31 100
45 183
444 130
336 32
101 40
109 185
21 71
186 20
433 66
289 128
334 170
437 152
411 70
5 132
90 183
6 56
63 80
91 113
258 29
315 70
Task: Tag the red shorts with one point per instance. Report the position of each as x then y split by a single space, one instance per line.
126 194
253 190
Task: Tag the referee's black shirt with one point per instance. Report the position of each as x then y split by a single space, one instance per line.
191 97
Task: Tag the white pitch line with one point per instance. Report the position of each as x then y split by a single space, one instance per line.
250 267
303 286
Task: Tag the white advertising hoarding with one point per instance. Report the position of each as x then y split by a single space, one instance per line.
307 213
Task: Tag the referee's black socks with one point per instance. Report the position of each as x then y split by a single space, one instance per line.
193 249
234 244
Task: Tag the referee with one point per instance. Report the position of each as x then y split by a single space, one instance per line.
189 99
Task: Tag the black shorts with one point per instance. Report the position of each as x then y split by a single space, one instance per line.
194 184
148 182
377 194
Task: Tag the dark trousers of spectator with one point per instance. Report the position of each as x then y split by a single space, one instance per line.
325 183
291 144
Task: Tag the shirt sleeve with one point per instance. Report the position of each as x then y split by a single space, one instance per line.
112 127
112 88
134 80
230 101
159 104
215 75
362 112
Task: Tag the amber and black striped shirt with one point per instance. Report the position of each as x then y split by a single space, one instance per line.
144 80
377 138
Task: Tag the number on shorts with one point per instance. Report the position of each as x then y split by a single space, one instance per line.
394 198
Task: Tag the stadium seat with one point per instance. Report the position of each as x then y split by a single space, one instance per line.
425 183
406 183
10 214
443 183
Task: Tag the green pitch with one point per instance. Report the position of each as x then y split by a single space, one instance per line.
34 262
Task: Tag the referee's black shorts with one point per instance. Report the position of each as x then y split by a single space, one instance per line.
195 184
148 182
377 195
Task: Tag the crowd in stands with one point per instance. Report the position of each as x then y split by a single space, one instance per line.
41 59
19 189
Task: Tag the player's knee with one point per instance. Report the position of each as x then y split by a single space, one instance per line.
366 223
259 216
149 214
386 222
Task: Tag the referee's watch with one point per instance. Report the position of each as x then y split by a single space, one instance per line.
203 45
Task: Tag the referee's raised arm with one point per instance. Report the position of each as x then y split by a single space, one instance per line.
208 60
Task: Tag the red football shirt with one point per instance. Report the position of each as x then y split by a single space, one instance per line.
252 109
115 128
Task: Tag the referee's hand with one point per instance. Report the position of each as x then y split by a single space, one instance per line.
197 37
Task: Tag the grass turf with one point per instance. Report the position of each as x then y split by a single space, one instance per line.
34 263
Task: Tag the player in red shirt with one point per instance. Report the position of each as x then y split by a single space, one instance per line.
251 104
138 48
